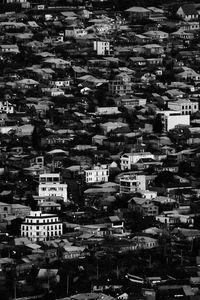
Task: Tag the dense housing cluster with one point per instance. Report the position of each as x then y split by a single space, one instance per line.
99 150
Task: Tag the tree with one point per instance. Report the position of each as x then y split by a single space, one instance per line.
36 140
158 125
164 178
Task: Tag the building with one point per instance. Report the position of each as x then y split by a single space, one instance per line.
41 227
132 183
172 118
50 185
102 47
99 173
74 32
6 107
157 35
119 87
130 101
188 12
186 107
138 13
9 49
5 210
144 206
20 211
130 159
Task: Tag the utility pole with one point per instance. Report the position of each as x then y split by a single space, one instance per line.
117 272
67 284
97 269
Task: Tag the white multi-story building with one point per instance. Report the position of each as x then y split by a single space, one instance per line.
132 183
99 173
129 159
6 107
172 118
102 47
41 227
186 107
50 185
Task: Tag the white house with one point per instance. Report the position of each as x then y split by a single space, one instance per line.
129 159
6 107
50 185
9 49
186 107
41 227
132 183
75 32
102 47
98 173
107 110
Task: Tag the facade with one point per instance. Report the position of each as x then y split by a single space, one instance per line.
131 101
172 118
50 185
132 183
138 13
6 107
41 227
186 107
9 49
102 47
119 87
129 159
5 210
188 12
99 173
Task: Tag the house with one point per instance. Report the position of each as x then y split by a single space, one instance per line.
128 160
153 49
75 32
72 252
138 13
62 83
112 126
156 35
132 183
145 242
173 217
182 34
57 63
131 101
188 12
27 83
186 107
102 47
138 61
41 227
107 110
50 185
20 211
49 206
145 206
171 118
118 86
98 139
4 49
5 210
6 107
98 173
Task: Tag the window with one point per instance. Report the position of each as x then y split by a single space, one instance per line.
5 208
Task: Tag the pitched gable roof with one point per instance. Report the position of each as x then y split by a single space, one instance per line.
189 9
